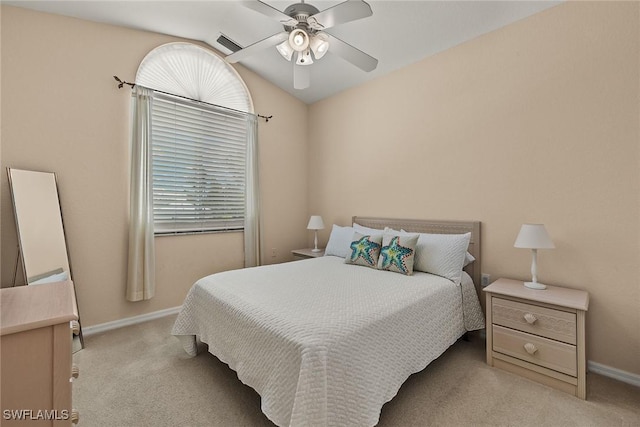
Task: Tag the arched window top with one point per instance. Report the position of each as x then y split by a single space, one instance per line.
194 72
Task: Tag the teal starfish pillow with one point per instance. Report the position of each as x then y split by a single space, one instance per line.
397 253
365 250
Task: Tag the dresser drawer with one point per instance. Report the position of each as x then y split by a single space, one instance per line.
551 354
546 322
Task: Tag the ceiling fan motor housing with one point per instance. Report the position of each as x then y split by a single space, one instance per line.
300 12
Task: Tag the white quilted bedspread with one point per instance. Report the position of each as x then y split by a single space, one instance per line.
325 343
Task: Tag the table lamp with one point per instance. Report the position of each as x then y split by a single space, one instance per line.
534 237
315 223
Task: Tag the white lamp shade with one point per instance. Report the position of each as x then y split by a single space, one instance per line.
319 44
533 236
298 40
315 223
285 50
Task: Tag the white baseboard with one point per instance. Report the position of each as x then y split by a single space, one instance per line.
616 374
128 321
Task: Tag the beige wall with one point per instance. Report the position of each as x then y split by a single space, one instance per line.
1 201
62 112
537 122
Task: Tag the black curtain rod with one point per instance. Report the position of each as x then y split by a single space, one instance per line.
122 83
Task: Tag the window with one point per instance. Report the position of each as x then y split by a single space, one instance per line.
199 168
199 149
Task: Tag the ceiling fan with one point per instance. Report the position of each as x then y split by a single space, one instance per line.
304 37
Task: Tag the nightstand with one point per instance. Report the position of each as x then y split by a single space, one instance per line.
306 253
538 334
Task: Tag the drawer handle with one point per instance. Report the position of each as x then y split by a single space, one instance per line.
530 318
530 348
75 416
75 371
75 327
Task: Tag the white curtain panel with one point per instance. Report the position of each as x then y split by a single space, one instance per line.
141 268
252 240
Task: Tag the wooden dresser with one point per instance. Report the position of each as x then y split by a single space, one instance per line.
36 370
539 334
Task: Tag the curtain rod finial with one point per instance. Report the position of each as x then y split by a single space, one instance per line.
121 83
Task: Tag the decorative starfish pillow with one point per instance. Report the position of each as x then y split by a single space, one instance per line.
365 250
397 253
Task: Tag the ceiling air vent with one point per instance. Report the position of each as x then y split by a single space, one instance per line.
228 43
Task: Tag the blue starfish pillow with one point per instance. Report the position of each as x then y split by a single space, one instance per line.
364 250
397 253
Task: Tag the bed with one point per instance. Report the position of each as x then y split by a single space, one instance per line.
327 343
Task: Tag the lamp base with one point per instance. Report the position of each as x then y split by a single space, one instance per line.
534 285
316 250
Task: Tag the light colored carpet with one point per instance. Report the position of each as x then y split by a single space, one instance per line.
140 376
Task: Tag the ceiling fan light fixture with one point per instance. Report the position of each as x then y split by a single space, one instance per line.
285 50
304 36
319 44
304 58
299 40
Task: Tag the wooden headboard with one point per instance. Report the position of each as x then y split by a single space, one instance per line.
436 227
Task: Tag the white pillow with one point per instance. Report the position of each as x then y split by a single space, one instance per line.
372 231
442 254
339 241
468 259
367 230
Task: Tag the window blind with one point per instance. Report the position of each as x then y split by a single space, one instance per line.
199 156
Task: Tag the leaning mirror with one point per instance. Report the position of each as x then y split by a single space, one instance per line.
42 244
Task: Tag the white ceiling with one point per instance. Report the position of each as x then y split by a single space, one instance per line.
398 34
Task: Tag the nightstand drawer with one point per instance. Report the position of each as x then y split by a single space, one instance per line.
541 351
546 322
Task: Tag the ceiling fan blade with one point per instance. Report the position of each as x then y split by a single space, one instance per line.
301 76
271 12
347 11
352 54
256 47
